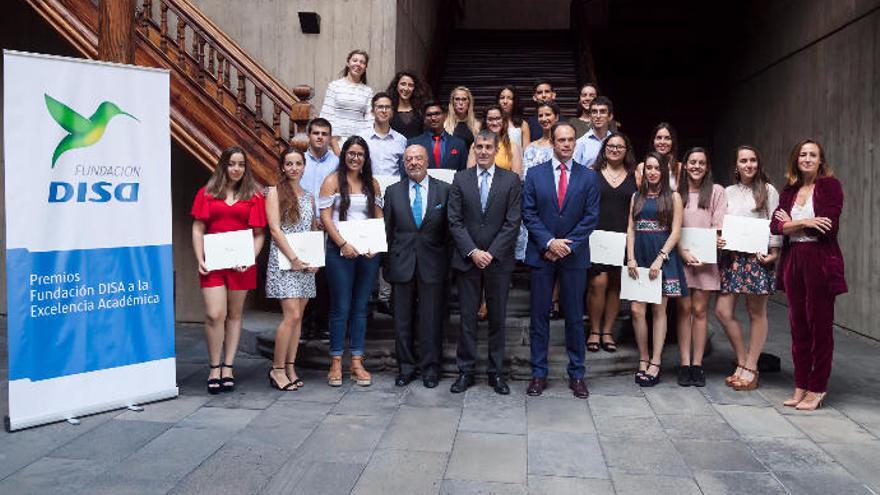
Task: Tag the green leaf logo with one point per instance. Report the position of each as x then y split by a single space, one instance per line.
82 131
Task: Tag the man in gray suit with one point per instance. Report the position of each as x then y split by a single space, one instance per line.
484 219
417 265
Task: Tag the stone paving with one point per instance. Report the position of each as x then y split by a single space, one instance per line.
412 440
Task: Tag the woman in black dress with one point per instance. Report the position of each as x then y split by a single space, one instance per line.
407 95
615 166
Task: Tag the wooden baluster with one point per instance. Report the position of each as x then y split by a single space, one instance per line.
226 80
258 110
239 109
220 81
146 14
276 126
211 56
181 40
163 26
195 52
201 57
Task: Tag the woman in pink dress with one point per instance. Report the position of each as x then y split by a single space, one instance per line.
704 207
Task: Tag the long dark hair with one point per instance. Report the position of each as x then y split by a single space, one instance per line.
706 183
216 186
664 195
504 135
288 202
629 158
366 175
419 95
673 151
515 115
759 183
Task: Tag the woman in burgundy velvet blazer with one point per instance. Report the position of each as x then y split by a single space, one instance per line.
810 268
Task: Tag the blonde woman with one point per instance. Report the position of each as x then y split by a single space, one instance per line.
460 120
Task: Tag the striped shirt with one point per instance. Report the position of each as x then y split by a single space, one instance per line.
347 107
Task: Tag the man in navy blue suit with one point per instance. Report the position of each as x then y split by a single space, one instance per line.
444 149
560 209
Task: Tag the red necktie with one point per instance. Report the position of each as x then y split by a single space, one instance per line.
563 184
437 151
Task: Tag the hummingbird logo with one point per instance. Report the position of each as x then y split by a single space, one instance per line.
82 131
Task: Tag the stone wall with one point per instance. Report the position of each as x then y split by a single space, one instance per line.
812 69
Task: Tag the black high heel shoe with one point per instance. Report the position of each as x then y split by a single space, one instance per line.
648 380
274 383
594 346
607 346
227 383
213 384
640 372
298 382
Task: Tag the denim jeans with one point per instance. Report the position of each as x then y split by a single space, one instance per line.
351 282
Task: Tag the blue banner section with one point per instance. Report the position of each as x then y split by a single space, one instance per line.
85 310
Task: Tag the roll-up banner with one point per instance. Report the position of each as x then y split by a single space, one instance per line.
88 237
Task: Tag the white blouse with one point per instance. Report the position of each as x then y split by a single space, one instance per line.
347 107
741 202
357 207
804 212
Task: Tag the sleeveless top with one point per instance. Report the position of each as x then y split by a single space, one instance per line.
614 203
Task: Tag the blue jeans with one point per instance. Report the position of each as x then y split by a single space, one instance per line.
351 282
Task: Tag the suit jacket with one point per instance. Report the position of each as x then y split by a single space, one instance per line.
454 154
494 230
416 251
827 202
545 220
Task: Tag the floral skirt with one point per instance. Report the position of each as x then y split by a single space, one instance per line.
742 273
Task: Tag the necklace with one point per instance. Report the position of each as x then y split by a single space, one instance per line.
613 178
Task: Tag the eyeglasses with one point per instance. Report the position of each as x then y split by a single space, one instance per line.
599 111
616 147
354 155
431 115
460 99
383 107
494 119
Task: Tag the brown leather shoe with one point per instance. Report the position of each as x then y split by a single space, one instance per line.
359 373
334 376
536 386
578 388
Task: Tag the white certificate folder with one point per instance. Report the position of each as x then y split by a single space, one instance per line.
607 248
701 243
642 289
444 174
746 234
229 249
365 235
307 246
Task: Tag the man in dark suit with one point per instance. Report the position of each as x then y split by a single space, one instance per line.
417 265
484 218
444 149
560 209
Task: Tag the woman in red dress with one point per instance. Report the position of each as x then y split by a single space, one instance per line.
230 201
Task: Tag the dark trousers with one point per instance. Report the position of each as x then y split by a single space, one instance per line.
811 316
470 285
572 286
429 300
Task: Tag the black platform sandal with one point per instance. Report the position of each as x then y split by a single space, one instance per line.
227 383
607 346
648 380
213 384
594 346
639 372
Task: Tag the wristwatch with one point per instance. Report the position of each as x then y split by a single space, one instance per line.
663 254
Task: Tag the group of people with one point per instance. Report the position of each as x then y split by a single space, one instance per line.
525 190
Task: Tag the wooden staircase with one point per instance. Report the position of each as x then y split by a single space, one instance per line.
220 96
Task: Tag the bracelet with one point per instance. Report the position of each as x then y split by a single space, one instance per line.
343 244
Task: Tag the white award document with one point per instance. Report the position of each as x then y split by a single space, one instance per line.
745 234
642 289
365 235
607 248
443 174
229 249
385 181
307 246
701 243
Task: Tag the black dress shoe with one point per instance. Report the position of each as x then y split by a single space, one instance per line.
384 307
430 381
578 388
536 386
498 384
403 379
698 376
684 376
462 383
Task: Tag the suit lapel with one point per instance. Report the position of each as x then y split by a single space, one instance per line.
431 202
447 150
403 200
550 179
493 189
